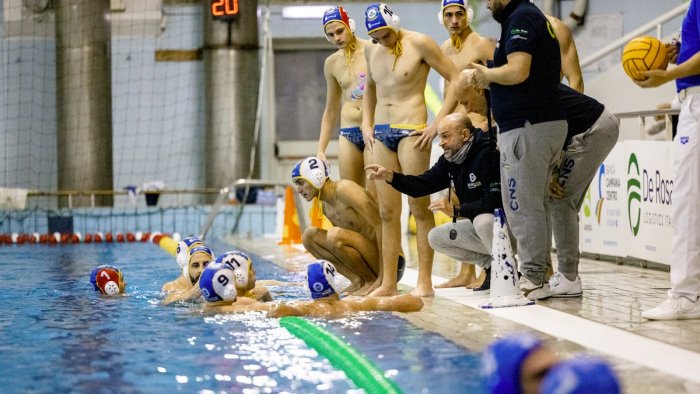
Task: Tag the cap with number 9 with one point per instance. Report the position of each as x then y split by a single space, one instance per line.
218 282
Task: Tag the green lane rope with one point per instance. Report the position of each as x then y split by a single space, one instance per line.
357 367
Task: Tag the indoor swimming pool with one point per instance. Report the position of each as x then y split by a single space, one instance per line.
58 335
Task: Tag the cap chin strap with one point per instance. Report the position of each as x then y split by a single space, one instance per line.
316 207
456 42
349 50
397 50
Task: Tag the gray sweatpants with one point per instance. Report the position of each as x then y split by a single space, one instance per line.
528 156
473 242
579 164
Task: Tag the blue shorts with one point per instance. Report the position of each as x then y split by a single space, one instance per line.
391 134
354 135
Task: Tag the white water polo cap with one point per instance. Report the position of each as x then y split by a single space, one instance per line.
241 264
337 14
217 282
312 169
183 250
380 16
320 279
460 3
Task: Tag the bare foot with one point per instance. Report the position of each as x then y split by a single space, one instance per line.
465 277
423 291
454 282
475 283
384 291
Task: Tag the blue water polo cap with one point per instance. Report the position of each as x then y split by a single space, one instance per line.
311 169
338 14
320 278
380 16
447 3
217 282
580 375
502 360
202 249
459 3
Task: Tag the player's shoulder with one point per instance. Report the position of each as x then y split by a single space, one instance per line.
334 57
445 46
418 37
347 186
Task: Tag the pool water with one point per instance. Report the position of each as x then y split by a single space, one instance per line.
58 335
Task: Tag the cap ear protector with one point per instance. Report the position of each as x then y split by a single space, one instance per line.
241 264
320 279
337 14
217 283
107 279
193 250
380 16
312 169
461 3
183 250
502 360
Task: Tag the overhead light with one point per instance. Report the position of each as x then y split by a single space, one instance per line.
304 11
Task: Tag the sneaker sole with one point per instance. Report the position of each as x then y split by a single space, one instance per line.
527 295
567 295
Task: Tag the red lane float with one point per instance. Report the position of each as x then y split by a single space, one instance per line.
76 238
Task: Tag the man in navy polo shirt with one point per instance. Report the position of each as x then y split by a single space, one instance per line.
532 126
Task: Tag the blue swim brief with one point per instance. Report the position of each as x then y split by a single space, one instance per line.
354 135
391 134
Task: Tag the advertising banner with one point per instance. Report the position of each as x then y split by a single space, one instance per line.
648 197
603 215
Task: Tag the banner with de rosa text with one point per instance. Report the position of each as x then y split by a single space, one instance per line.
627 209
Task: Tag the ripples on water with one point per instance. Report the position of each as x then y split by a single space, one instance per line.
58 335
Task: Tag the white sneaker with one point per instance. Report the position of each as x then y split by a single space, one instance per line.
534 292
562 287
674 308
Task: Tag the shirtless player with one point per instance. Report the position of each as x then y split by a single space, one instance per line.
345 71
395 114
352 243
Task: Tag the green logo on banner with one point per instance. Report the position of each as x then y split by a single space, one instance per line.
634 189
587 204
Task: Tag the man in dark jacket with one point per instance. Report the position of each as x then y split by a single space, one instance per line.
469 166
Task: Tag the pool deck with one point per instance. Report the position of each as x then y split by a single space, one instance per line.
650 356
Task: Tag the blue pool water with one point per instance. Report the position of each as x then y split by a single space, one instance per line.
58 335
